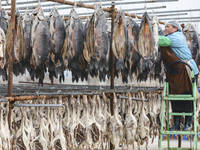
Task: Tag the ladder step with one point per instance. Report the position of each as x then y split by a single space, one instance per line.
180 149
179 132
181 114
179 98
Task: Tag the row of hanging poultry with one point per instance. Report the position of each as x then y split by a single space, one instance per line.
84 122
46 44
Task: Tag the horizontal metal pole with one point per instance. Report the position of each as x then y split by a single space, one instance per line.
136 9
4 100
182 21
138 2
177 18
38 105
63 93
133 98
22 2
46 8
175 14
171 11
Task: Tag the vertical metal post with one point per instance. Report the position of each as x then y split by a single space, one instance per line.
112 59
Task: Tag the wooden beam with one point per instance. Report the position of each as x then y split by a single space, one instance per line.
79 4
112 61
11 51
93 7
10 61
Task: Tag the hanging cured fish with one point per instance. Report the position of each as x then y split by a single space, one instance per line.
4 20
3 59
57 31
74 49
96 50
132 57
18 45
191 37
27 27
119 40
147 46
41 46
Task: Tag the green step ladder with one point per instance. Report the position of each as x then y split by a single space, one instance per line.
168 97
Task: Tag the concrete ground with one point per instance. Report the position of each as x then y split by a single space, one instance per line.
154 145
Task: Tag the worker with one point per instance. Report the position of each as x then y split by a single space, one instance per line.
173 44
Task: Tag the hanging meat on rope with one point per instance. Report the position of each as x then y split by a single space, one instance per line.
41 46
191 37
132 57
119 41
18 45
3 59
146 47
74 49
57 31
27 27
96 47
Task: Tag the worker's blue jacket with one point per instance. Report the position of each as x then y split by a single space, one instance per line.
178 44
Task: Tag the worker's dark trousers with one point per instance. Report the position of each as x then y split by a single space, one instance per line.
183 106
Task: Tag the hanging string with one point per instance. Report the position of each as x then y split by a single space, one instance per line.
55 4
145 6
75 5
39 3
